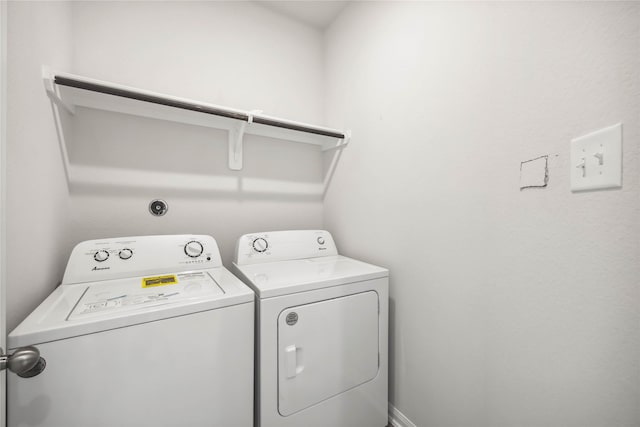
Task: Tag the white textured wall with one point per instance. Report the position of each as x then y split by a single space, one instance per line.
236 54
36 191
508 308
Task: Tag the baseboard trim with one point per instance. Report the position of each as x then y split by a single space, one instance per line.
398 419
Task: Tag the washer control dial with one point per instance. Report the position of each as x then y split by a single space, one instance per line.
101 256
260 244
193 249
125 253
320 240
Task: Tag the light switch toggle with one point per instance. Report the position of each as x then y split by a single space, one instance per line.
583 166
600 157
588 153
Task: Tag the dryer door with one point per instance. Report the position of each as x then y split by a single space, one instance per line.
326 348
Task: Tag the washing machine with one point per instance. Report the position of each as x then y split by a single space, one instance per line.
143 331
321 331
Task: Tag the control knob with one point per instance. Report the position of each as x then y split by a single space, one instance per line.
193 249
125 254
101 256
260 244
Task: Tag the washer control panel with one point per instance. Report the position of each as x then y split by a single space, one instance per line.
284 245
107 259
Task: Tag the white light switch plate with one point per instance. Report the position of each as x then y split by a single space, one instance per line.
596 160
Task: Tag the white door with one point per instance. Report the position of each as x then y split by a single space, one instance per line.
326 348
3 114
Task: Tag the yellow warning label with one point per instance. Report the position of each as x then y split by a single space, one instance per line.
150 282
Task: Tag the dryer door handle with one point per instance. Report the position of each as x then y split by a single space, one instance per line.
293 361
290 361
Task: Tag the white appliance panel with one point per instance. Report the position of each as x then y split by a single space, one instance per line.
117 297
365 405
286 277
116 258
192 370
52 319
284 245
326 348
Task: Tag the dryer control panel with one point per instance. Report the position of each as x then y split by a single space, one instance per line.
284 245
107 259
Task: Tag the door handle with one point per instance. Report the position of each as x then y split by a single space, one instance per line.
293 361
290 361
25 362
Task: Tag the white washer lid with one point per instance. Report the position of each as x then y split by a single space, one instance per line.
271 279
113 298
73 310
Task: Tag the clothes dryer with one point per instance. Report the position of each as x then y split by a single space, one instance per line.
321 334
143 331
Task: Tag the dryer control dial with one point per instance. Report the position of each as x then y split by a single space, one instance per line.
260 244
193 249
125 253
101 256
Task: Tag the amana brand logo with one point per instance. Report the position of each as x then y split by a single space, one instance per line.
292 318
100 268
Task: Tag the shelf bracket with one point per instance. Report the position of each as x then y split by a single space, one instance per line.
340 143
49 86
236 135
